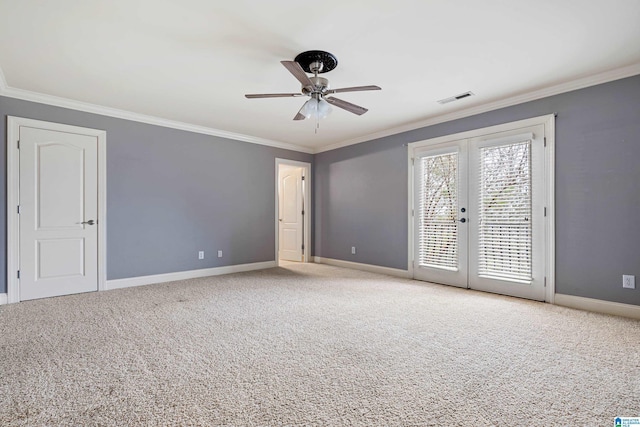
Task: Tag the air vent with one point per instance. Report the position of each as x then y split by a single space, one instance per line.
455 98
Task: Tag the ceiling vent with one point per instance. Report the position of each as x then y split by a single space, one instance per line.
455 98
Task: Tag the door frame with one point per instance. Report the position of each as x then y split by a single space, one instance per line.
307 206
548 121
13 198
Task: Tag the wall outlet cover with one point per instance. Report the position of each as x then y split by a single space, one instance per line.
219 254
201 255
628 281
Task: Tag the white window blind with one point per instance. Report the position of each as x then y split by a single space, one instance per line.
438 232
505 211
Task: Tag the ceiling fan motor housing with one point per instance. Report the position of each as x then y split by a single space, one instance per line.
320 84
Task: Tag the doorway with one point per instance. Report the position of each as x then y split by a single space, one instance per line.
292 210
56 209
482 210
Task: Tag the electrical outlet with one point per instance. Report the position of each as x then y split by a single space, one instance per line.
219 254
628 281
353 250
201 255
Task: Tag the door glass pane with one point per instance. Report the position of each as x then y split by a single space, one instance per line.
505 211
438 227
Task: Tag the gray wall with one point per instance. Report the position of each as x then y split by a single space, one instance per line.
361 190
171 193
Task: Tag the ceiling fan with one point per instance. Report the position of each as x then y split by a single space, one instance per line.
317 88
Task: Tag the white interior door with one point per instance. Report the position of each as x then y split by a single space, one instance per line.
291 206
58 213
479 214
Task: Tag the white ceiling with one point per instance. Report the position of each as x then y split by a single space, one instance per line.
192 61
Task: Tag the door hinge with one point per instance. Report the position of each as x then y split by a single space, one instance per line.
18 144
413 161
545 282
412 214
18 209
545 141
303 212
545 211
303 246
18 274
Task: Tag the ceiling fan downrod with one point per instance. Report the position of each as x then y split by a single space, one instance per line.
316 67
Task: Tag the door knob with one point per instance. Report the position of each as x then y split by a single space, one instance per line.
90 222
462 220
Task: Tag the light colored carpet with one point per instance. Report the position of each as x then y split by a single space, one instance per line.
312 345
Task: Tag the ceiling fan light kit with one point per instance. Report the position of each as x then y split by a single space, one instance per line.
315 87
316 108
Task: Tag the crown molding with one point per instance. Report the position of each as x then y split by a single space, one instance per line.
25 95
580 83
607 76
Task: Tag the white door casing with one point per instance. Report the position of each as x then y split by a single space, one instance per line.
477 153
57 178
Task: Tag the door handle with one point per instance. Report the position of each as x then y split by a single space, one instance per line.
463 220
90 222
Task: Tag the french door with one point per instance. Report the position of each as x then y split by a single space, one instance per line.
479 216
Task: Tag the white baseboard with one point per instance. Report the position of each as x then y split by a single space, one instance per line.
364 267
3 299
183 275
599 306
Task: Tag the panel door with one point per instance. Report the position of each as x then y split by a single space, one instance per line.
58 213
290 214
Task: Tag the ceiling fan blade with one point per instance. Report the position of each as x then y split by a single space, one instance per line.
352 108
272 95
354 89
297 71
300 116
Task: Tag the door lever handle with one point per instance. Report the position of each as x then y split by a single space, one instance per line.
90 222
